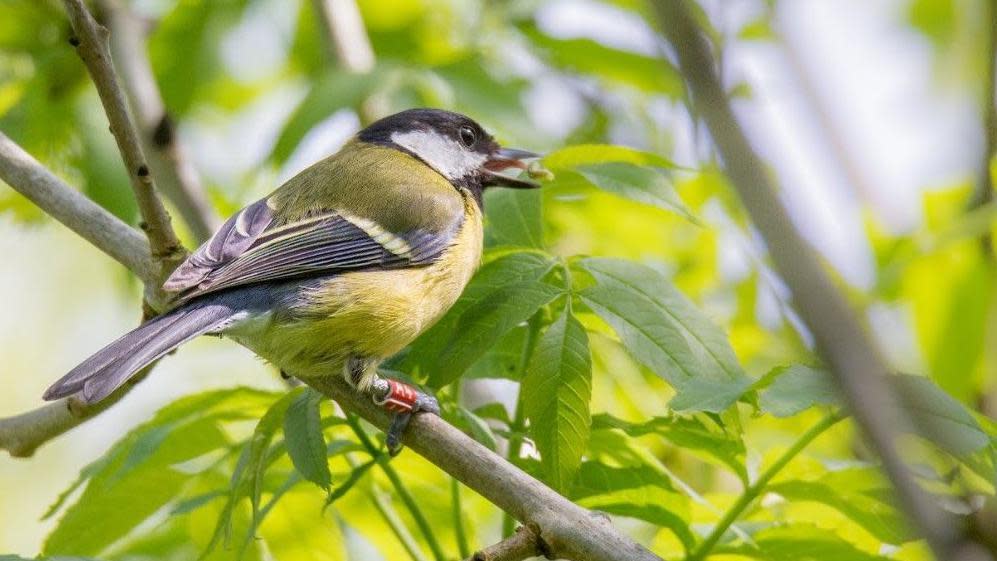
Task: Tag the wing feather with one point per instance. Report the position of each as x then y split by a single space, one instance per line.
252 247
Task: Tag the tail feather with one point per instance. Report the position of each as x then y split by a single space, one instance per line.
113 365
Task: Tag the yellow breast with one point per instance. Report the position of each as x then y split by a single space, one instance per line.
374 314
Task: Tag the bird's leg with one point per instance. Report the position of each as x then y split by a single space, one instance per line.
399 398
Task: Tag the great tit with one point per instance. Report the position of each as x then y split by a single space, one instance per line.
338 269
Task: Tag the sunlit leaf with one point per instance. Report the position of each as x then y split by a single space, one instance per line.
641 184
799 542
696 433
556 393
859 494
663 330
636 492
796 388
611 65
488 287
304 438
514 218
939 417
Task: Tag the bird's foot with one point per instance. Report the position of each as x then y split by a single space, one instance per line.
403 401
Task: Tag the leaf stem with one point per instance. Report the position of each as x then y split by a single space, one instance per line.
756 489
403 492
387 512
458 519
519 418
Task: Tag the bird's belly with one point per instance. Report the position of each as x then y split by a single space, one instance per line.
370 314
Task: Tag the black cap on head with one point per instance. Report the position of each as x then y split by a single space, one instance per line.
454 145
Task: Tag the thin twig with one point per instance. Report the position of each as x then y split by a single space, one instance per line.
347 43
383 505
566 530
173 171
518 426
121 242
458 519
856 363
983 193
21 435
410 503
346 37
90 40
523 544
756 488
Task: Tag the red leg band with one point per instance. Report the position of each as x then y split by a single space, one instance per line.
400 397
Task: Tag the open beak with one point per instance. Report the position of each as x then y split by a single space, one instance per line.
506 159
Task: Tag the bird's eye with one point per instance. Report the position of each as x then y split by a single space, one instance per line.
467 136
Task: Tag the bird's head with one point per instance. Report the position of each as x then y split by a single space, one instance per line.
454 145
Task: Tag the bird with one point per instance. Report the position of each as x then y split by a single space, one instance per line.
339 268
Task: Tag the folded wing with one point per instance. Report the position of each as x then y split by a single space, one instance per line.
253 247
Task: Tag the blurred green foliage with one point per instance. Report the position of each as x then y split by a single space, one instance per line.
655 384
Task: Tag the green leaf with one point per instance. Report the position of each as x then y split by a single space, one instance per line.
939 417
798 542
859 494
572 157
140 470
494 282
642 184
699 434
478 428
305 441
424 353
637 492
247 478
556 393
514 218
259 444
483 324
664 331
797 388
653 75
503 360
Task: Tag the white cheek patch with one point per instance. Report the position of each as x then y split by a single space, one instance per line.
444 154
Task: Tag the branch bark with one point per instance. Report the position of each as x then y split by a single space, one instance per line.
521 545
174 172
90 40
347 42
565 530
346 37
856 363
106 232
22 434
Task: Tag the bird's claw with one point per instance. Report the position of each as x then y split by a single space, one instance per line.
404 401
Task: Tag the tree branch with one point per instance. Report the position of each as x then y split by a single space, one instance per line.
566 530
90 40
176 176
106 232
346 37
521 545
347 42
856 363
22 434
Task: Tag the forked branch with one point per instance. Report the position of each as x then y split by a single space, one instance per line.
856 363
174 173
90 40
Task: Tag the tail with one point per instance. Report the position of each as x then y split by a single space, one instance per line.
113 365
